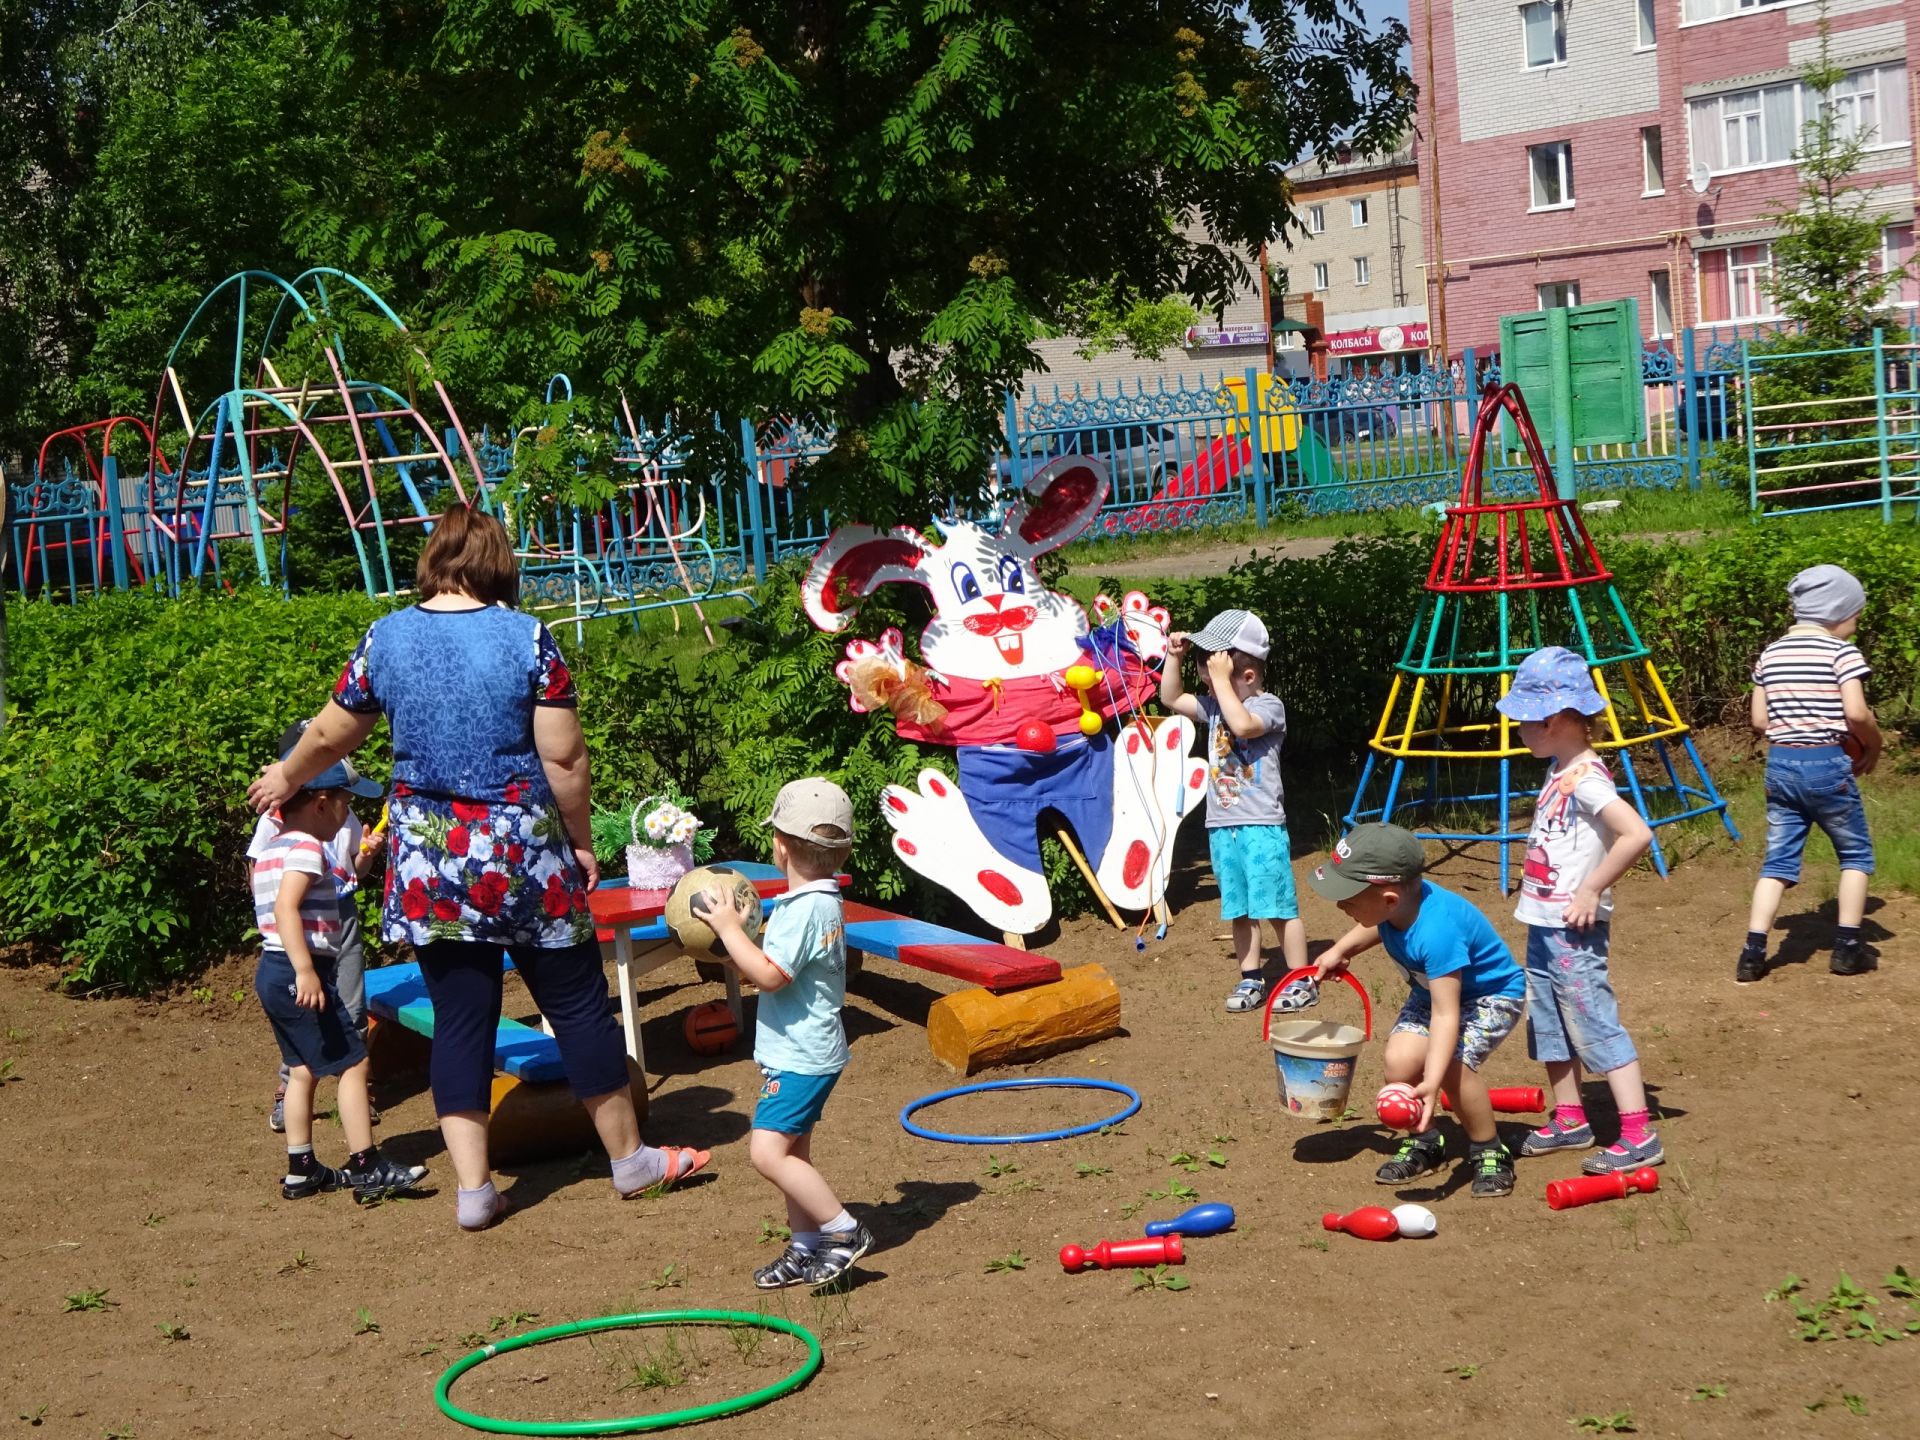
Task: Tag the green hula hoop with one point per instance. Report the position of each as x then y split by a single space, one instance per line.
632 1424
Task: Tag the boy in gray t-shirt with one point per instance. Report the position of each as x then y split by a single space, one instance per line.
1246 814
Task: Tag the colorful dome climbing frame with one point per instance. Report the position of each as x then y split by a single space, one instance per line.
1507 578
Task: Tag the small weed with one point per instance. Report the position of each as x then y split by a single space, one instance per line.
907 1207
473 1339
1087 1172
1119 1129
239 994
1856 1404
172 1333
746 1340
301 1261
1177 1189
86 1300
364 1323
1461 1372
516 1320
1005 1263
426 1350
671 1278
1789 1286
771 1231
1021 1187
1160 1278
1181 1160
1618 1423
14 1036
1314 1242
661 1370
1848 1311
34 1417
1222 1140
1345 1115
1708 1392
121 1432
1132 1208
1901 1285
153 1220
203 994
6 1069
996 1167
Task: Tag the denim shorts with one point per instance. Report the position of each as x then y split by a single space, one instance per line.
790 1103
325 1041
1571 1012
1807 786
1253 865
1484 1023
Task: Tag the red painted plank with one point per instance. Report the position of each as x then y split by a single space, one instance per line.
991 966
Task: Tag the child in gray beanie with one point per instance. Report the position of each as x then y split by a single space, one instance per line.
1810 701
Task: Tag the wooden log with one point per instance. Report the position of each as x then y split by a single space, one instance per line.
973 1029
395 1051
538 1122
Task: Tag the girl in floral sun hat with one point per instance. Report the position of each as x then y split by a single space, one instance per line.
1583 838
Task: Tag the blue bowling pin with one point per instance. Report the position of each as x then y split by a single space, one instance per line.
1208 1219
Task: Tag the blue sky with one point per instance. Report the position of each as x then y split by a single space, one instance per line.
1377 10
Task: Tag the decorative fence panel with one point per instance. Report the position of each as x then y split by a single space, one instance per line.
1833 429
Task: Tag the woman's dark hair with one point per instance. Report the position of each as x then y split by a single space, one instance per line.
469 553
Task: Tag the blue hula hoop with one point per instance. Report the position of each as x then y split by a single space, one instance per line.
1031 1083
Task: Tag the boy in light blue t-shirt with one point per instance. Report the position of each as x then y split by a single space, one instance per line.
800 967
1468 993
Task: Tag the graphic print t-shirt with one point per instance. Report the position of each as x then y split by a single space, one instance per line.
1565 842
1243 776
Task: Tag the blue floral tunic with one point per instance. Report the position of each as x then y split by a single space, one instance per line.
476 846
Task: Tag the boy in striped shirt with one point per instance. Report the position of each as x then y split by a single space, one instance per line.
297 911
1810 701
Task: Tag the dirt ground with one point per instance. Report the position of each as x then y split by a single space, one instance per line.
138 1163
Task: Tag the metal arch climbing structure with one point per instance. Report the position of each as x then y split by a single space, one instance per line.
243 428
1507 578
80 522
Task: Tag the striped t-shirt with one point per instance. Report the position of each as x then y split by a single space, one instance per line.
1801 674
319 908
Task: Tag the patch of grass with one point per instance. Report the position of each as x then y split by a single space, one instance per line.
1004 1264
1160 1278
1618 1423
996 1167
1856 1404
172 1333
1087 1172
1177 1189
660 1369
671 1278
1181 1160
153 1220
771 1231
1313 1242
1708 1392
364 1323
1021 1187
746 1340
203 994
301 1261
82 1300
1461 1372
515 1321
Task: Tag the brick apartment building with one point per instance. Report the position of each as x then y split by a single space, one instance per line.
1360 258
1588 150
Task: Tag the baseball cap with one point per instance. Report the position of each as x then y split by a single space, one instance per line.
1548 681
1369 855
1234 630
813 809
339 776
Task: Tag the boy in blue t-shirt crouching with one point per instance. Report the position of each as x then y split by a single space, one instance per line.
800 967
1468 993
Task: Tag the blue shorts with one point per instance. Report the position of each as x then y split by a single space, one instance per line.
791 1104
1571 1012
1484 1023
1807 786
1253 865
325 1041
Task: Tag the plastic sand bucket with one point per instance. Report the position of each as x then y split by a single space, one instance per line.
1315 1058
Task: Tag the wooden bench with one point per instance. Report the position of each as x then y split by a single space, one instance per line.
954 953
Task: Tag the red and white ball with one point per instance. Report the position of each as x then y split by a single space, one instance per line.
1397 1106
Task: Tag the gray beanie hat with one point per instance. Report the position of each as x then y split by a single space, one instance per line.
1825 595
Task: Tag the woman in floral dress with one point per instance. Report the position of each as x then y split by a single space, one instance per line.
489 845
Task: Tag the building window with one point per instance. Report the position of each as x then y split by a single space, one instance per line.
1735 283
1316 219
1543 31
1896 253
1551 167
1559 293
1713 9
1646 36
1652 163
1660 282
1320 275
1744 129
1357 213
1362 270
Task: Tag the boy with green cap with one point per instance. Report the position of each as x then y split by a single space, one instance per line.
1467 993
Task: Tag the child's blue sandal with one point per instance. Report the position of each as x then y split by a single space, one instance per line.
1247 995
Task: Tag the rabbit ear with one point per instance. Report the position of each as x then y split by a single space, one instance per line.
1059 502
856 561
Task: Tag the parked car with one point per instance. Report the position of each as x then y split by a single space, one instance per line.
1354 422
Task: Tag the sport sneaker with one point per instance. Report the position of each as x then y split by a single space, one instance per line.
1247 995
1850 958
837 1254
277 1121
1554 1136
790 1269
1418 1155
317 1181
381 1178
1622 1156
1492 1170
1752 966
1297 995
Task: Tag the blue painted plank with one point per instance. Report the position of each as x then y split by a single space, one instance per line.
885 937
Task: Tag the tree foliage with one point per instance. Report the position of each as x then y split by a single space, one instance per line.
859 214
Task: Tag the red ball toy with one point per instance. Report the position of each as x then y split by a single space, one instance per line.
710 1028
1034 736
1397 1106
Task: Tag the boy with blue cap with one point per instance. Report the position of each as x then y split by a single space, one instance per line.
1583 838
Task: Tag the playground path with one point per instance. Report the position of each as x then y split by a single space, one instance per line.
143 1168
1218 559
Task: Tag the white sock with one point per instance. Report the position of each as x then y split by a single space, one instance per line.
839 1223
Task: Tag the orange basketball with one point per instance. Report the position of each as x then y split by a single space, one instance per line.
709 1028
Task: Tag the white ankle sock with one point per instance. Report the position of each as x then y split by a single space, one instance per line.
839 1223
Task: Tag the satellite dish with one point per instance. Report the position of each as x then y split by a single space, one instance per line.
1700 179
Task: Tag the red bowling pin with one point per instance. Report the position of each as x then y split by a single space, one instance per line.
1123 1254
1508 1099
1369 1222
1585 1189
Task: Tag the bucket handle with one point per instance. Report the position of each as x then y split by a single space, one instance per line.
1366 1005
